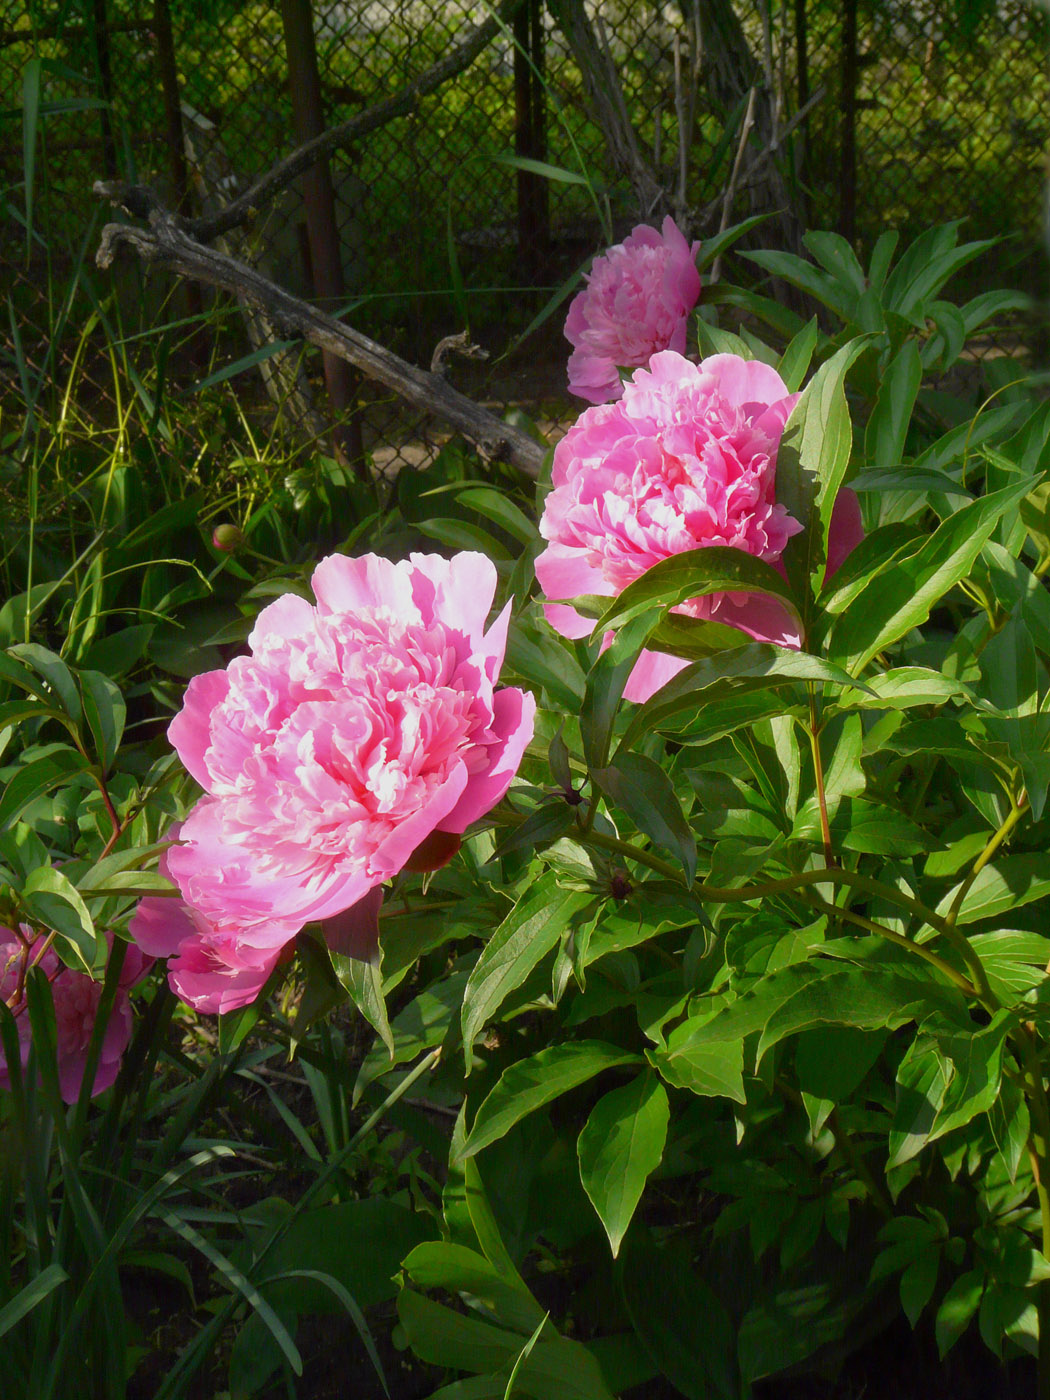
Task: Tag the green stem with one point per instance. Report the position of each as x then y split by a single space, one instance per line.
1015 814
720 894
1039 1153
836 911
818 775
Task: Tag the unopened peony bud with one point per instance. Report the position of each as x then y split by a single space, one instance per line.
228 538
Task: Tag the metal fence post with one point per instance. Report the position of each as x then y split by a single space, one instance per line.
326 267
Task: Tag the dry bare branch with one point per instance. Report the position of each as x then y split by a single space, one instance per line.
166 244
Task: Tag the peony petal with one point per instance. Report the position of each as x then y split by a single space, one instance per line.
355 931
189 733
564 572
652 670
460 593
845 529
345 585
514 713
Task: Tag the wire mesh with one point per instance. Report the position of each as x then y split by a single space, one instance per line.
946 107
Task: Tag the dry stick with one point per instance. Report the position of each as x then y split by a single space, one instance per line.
167 245
727 201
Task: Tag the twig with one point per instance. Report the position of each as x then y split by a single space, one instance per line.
459 344
730 194
167 245
758 160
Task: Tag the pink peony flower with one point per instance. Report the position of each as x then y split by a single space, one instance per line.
331 757
76 997
637 300
686 458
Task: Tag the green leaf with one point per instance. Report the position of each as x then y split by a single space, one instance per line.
529 1084
620 1146
944 1081
495 506
542 659
1014 961
359 1243
958 1307
421 1026
680 1321
35 778
50 898
556 1370
364 981
832 1060
738 671
523 939
713 247
644 791
909 588
815 993
695 573
795 361
887 429
811 463
105 712
540 167
900 688
1006 885
715 340
712 1069
807 278
605 684
61 685
439 1264
26 1299
875 553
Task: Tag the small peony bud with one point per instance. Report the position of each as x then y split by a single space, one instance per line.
228 538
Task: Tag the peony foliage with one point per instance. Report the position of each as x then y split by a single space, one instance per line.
681 843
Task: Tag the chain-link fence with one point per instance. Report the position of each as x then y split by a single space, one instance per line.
890 115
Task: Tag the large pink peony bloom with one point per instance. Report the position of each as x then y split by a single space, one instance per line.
637 300
331 756
76 997
686 458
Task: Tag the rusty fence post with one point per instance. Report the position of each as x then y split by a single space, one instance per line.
326 265
848 124
100 29
530 139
